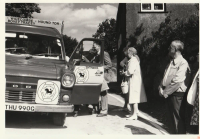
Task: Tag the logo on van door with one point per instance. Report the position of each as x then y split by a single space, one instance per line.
82 74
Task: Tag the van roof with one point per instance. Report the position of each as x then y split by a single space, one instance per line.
40 30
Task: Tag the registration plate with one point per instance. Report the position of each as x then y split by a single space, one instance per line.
19 107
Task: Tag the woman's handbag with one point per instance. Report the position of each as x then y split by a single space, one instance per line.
124 86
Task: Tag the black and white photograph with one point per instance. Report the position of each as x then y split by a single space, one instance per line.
106 68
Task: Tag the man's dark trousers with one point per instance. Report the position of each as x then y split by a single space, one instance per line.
175 113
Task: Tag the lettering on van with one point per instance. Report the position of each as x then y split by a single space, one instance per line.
28 21
98 73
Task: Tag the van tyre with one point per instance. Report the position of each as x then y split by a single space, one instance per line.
59 119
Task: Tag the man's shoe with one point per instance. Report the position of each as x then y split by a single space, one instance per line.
75 114
129 115
101 115
98 111
93 111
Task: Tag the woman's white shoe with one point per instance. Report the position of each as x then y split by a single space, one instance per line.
133 117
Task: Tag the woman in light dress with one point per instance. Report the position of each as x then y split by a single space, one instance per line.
136 88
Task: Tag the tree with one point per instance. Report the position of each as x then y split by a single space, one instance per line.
24 10
70 44
107 31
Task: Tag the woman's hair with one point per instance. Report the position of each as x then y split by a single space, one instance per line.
132 50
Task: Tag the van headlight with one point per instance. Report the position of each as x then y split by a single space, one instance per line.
68 80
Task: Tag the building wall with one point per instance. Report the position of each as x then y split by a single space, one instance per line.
151 21
121 36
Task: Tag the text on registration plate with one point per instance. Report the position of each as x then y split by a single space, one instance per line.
13 107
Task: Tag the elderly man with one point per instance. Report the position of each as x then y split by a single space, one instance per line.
173 87
104 88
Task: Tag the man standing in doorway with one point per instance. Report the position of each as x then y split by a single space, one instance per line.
173 87
104 88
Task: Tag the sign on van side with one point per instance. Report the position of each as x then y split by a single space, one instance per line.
29 21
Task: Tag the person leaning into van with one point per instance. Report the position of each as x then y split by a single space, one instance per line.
136 89
104 87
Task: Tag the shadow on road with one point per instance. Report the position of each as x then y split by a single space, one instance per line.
27 120
117 111
143 117
153 124
138 130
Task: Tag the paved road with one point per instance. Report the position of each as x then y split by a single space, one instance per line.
85 124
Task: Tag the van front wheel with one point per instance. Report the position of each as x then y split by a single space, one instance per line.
59 119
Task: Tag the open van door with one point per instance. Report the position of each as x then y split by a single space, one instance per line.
89 75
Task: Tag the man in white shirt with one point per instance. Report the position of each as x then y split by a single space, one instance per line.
173 87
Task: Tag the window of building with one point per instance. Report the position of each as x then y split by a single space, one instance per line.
153 7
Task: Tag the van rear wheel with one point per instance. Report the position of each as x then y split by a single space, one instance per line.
59 119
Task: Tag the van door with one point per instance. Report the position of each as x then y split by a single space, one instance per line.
89 74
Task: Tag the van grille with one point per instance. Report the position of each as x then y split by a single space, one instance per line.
20 96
